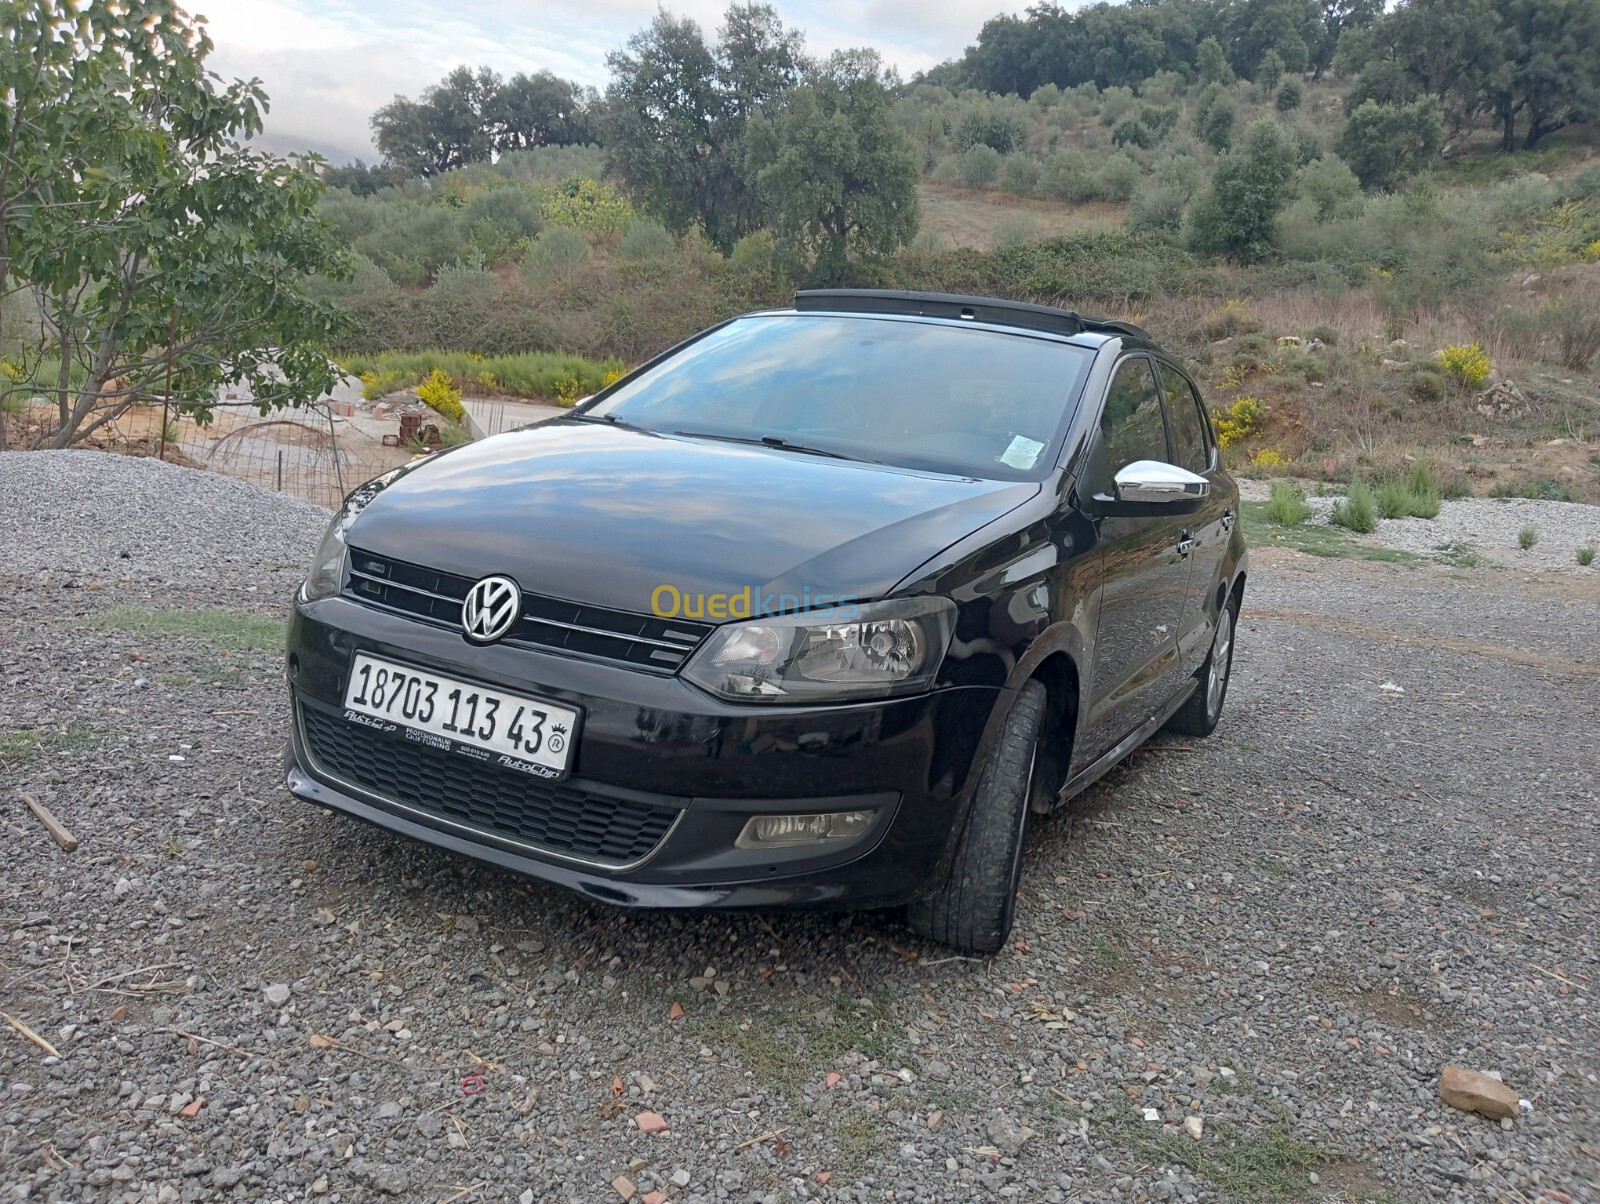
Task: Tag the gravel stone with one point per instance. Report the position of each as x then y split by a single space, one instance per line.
1417 872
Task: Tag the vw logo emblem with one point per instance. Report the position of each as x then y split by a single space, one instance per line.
491 609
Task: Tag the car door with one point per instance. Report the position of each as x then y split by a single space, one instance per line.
1144 569
1211 526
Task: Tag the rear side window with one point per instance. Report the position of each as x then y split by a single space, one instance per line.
1131 425
1189 448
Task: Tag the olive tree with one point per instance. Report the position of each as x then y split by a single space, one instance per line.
139 231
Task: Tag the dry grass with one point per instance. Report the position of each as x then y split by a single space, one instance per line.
967 217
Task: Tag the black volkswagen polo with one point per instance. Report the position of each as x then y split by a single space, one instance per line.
813 609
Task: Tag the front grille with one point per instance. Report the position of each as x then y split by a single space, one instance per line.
503 805
550 623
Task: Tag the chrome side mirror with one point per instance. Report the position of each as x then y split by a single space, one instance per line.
1158 482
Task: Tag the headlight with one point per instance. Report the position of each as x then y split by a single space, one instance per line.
327 570
881 648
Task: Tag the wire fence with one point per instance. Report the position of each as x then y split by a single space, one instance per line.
313 453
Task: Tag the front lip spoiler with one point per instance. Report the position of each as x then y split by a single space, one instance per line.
603 890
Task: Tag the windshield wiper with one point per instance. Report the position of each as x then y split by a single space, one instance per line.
610 419
777 441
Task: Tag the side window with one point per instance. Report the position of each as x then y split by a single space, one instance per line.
1131 425
1188 427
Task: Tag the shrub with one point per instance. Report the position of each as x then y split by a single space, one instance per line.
1428 385
1577 329
527 374
1330 185
439 394
1291 94
646 239
1115 102
553 255
1238 421
1237 216
1015 229
1157 208
1585 556
947 170
1288 506
1064 175
1425 491
1466 364
590 206
980 165
1214 115
375 384
1019 174
1307 368
1384 143
1118 177
754 251
1527 537
1234 318
1357 510
1325 333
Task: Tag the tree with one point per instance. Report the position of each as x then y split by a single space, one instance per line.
1214 115
841 172
676 112
137 226
472 116
1338 17
1553 68
1212 63
1269 71
1237 216
450 127
1383 144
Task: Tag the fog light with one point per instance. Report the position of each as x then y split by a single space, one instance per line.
777 831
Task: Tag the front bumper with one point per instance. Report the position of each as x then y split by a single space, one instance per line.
685 770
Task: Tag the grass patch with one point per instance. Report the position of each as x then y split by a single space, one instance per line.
1585 556
1245 1163
1527 537
221 628
1106 952
21 745
1288 506
1459 554
535 374
785 1047
1314 539
1357 511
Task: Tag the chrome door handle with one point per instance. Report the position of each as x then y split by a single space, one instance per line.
1186 544
1227 521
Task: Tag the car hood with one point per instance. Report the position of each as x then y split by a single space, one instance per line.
605 515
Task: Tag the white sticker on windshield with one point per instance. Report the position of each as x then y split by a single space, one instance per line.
1022 452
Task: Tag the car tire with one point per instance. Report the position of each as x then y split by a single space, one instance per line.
1199 714
974 909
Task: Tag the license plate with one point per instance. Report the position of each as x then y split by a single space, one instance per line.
522 733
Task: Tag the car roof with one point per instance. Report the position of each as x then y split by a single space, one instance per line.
992 312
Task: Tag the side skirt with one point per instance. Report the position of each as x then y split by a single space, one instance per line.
1090 774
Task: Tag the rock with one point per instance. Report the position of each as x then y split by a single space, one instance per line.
1471 1091
936 1071
1152 1115
646 1083
834 1079
227 1176
1291 340
1532 280
1400 347
466 924
650 1122
526 1197
1389 365
1194 1126
278 994
624 1187
389 1110
680 1178
1006 1133
654 1197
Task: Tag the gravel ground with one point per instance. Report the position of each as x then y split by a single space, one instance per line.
1285 930
1488 528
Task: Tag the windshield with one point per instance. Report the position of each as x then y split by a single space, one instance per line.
913 394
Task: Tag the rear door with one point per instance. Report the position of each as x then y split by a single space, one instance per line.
1145 572
1210 528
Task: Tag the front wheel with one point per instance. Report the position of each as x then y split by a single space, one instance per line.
974 909
1199 714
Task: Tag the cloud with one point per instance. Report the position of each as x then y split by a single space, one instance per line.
328 65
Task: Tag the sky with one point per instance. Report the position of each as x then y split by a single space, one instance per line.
327 64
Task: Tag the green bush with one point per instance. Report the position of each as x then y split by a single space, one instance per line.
1527 537
1330 184
1115 103
1585 556
647 240
1357 510
980 166
530 374
1324 332
1288 506
1305 368
1237 216
1019 174
1428 385
1119 176
1425 491
1064 175
1157 208
1291 94
1384 143
556 253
